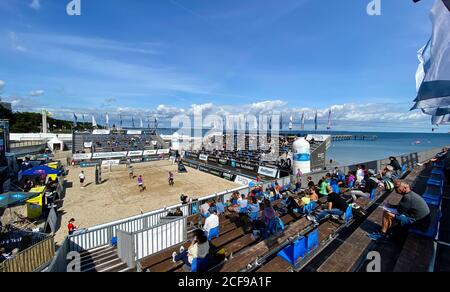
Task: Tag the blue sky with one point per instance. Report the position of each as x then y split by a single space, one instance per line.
166 57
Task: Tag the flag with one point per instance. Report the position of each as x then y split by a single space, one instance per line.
291 122
315 122
329 120
433 73
94 123
142 124
75 120
107 119
303 121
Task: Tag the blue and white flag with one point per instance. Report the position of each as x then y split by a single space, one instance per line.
433 74
75 120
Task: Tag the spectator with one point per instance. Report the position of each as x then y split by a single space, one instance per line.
360 174
299 176
395 164
371 184
351 179
183 199
310 182
441 156
71 226
324 185
268 213
171 182
211 222
337 206
412 211
242 204
199 248
204 209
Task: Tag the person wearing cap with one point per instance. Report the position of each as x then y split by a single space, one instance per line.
371 184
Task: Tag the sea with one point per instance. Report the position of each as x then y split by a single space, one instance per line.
387 144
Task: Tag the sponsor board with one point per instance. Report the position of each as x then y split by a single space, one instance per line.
191 155
104 155
204 169
148 159
228 176
245 166
191 165
134 132
135 153
213 159
101 132
215 172
223 161
243 181
82 156
203 157
110 162
88 164
136 160
87 144
150 152
163 151
266 171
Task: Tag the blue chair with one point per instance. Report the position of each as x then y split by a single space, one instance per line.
294 252
404 168
432 230
336 188
309 208
433 195
214 233
435 182
439 164
438 171
373 194
114 241
199 265
349 214
312 241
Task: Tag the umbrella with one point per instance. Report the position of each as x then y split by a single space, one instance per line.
11 198
40 170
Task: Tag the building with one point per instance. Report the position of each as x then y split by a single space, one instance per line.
6 105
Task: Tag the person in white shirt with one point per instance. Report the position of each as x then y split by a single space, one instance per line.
242 203
211 222
199 249
204 209
359 174
82 178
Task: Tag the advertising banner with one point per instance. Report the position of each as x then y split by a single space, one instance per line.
106 155
82 156
266 171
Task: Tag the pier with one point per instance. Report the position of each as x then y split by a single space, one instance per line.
354 137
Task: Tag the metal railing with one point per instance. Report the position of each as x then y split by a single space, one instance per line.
59 262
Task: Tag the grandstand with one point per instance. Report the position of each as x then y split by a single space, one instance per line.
99 141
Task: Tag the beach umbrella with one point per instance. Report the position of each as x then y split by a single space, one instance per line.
40 170
11 198
433 73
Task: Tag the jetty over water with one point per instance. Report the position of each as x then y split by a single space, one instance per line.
354 137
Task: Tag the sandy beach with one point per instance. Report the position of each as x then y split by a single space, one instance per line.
119 196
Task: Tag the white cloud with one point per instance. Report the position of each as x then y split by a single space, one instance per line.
35 4
2 84
14 42
35 93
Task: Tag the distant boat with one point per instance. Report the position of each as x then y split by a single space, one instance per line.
418 142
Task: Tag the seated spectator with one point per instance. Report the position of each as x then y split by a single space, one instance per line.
204 209
253 206
211 222
337 206
242 204
310 182
71 226
183 199
412 211
268 213
351 179
324 184
199 248
441 156
395 164
360 175
366 190
176 213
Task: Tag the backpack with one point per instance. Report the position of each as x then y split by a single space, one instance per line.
388 184
358 212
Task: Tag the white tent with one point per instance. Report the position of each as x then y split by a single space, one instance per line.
55 144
